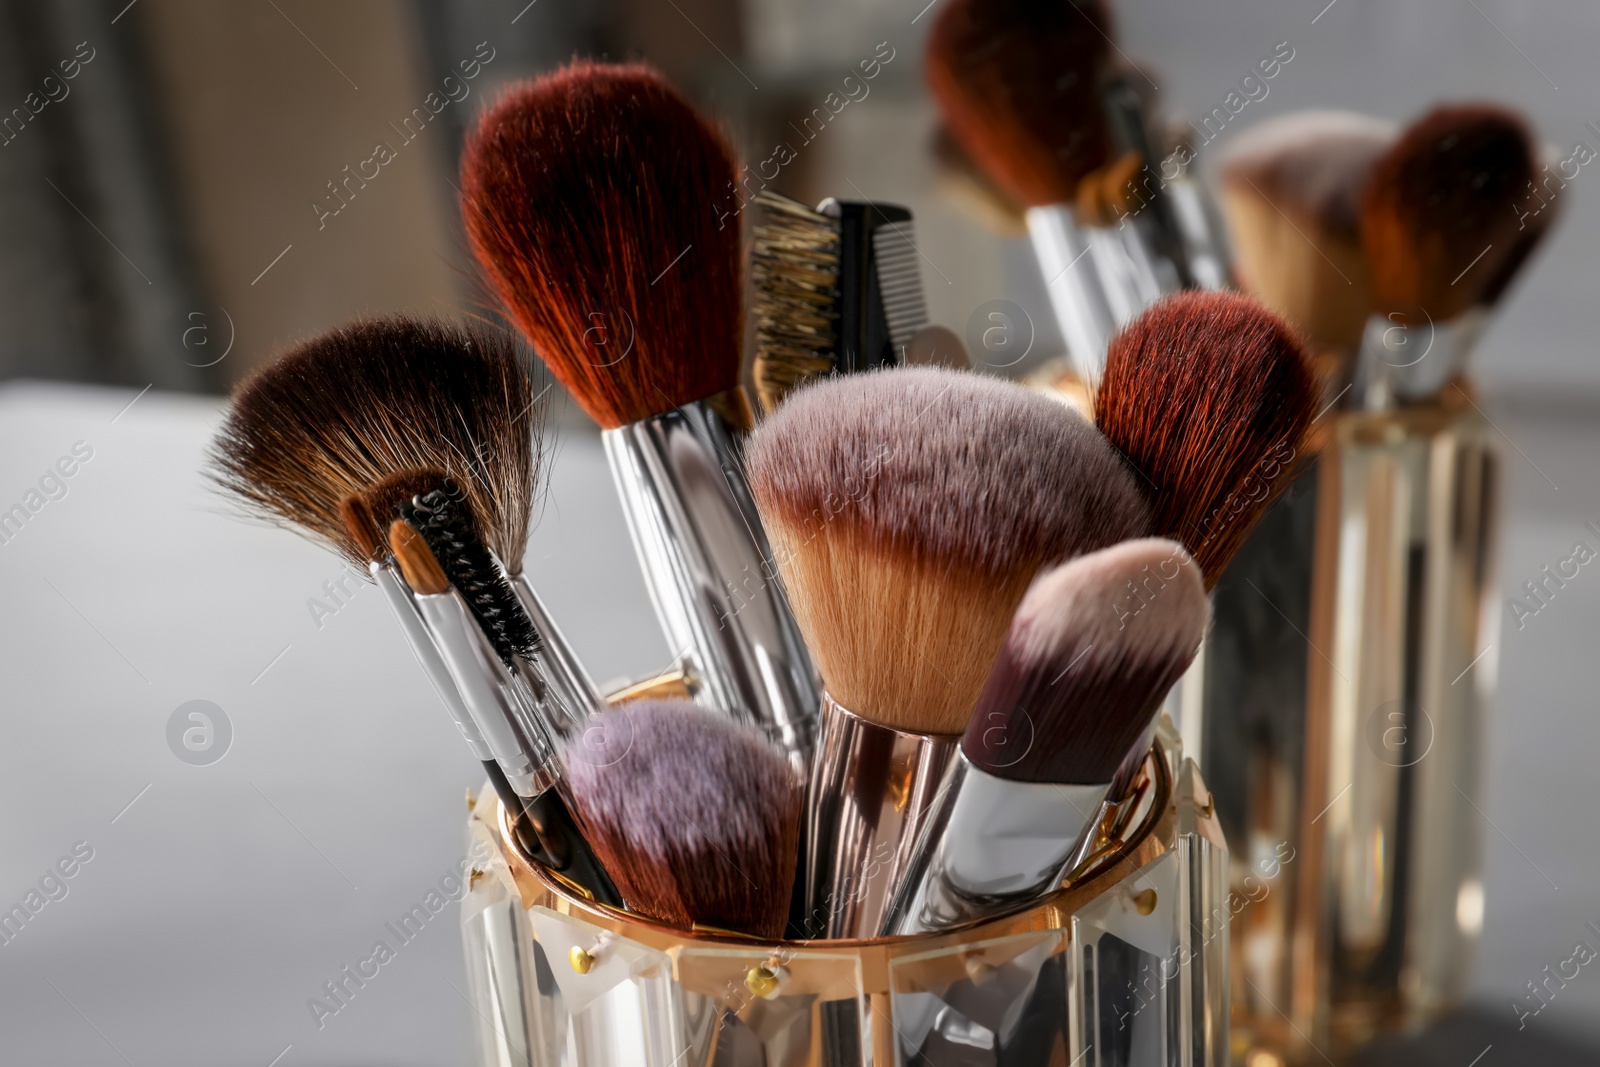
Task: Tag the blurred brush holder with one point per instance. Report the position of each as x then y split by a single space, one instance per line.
1337 712
1125 965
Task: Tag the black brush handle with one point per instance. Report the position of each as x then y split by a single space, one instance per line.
864 340
546 833
562 848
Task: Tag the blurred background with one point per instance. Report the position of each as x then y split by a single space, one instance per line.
187 187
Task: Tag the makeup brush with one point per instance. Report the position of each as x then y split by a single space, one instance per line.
356 412
308 434
591 201
1091 653
344 410
1291 189
1209 396
909 509
526 756
1032 93
835 288
367 536
1439 223
696 816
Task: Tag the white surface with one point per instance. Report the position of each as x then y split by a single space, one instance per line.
226 895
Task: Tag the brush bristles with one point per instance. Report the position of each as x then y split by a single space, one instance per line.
696 818
368 514
598 203
1291 189
1312 165
1445 195
1209 395
1018 83
1089 656
348 409
439 511
794 275
361 526
908 509
1523 246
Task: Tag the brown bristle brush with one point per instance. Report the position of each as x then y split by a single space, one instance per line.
1035 95
329 439
1209 396
909 509
696 818
1291 188
601 206
1019 85
364 412
1439 218
1442 230
591 201
1088 658
341 412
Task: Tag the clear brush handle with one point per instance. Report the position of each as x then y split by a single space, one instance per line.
708 568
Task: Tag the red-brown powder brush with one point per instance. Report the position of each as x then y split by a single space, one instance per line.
595 199
1034 94
1209 396
1442 232
1019 85
590 197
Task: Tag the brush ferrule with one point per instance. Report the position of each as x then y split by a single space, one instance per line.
990 844
433 665
511 729
1411 364
870 790
708 568
1098 277
1201 231
570 698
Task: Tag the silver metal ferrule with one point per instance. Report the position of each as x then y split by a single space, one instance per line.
433 665
1201 231
991 844
870 792
512 730
1098 278
708 567
570 697
1406 364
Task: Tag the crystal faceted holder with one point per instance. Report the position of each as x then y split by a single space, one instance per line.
1124 966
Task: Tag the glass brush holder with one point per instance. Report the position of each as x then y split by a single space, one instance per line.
1124 966
1336 710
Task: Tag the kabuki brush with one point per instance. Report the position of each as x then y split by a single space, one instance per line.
696 816
909 509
